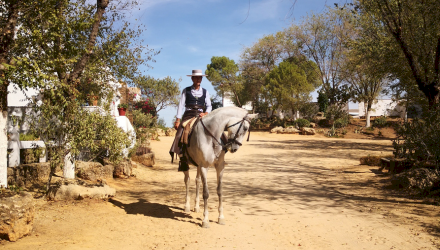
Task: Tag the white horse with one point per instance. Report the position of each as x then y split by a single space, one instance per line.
206 149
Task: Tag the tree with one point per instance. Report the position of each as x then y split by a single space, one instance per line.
160 93
255 63
365 83
410 31
223 73
289 86
321 37
12 13
62 43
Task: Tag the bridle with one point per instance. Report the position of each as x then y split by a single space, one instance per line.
233 140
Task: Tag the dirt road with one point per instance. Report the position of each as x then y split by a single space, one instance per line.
280 192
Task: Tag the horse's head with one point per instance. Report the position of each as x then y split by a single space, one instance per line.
237 129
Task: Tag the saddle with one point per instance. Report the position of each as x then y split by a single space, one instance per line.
187 129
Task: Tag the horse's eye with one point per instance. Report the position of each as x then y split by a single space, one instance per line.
245 129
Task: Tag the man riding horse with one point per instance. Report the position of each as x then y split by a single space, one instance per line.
194 102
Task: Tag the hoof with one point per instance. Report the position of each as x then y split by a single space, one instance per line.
205 224
221 221
187 210
197 210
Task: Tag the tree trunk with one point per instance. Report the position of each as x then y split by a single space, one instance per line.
69 167
3 148
367 115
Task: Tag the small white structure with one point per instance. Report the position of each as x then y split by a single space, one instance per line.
227 102
383 107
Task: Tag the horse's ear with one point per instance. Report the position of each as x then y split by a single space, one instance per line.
252 116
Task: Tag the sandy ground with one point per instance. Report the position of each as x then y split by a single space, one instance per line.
280 192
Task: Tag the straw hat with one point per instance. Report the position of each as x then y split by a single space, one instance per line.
197 72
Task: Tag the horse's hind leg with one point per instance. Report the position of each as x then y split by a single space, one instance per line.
187 179
198 181
220 167
204 172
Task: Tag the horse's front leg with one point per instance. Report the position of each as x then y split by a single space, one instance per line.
187 179
220 167
204 172
198 181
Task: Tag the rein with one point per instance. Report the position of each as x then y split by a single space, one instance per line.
230 141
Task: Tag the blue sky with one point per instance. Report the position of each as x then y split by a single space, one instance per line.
190 32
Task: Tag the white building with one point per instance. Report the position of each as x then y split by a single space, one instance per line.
383 107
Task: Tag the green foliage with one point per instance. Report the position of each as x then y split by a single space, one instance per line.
223 73
123 105
309 110
380 122
301 123
417 140
393 33
322 101
142 120
341 123
336 111
288 86
161 124
28 137
216 102
160 93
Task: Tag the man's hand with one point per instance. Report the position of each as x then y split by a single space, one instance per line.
177 124
203 114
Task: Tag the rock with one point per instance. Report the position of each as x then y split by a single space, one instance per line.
171 132
74 192
123 169
308 131
289 130
421 179
160 132
16 216
313 125
29 173
145 159
276 129
93 171
319 116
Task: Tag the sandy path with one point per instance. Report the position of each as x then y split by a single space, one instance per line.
280 192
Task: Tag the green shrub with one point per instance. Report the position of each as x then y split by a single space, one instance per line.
142 120
418 140
380 122
302 123
28 137
341 122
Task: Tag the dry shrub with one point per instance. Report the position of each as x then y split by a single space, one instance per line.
373 160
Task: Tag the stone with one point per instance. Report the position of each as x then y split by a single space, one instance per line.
16 216
289 130
313 125
29 173
123 169
171 132
73 191
308 131
145 159
160 132
276 129
93 171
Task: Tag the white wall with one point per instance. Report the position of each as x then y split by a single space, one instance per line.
384 107
17 97
227 102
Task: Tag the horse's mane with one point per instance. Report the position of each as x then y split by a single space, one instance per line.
232 110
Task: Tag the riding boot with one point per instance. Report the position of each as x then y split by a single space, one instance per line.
183 164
